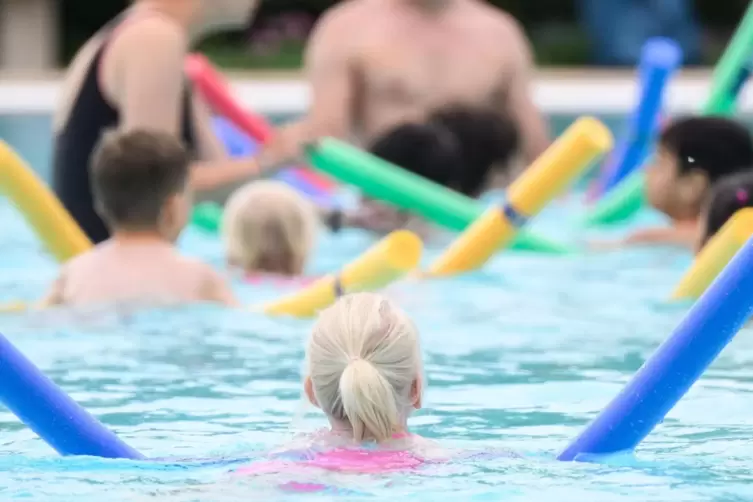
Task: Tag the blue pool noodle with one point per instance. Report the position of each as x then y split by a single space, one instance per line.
43 406
660 57
238 144
675 366
235 141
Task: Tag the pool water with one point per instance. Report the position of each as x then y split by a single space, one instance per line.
520 355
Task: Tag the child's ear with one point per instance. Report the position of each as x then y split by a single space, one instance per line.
416 393
308 388
99 209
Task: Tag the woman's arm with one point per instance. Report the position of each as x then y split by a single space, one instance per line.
149 62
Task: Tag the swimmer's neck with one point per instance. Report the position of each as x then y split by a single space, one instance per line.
344 429
428 6
128 236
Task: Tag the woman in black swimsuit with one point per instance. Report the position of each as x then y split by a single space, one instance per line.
130 76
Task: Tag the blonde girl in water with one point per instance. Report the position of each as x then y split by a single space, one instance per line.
364 369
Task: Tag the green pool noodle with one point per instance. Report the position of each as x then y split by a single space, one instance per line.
623 202
207 216
728 79
731 71
384 181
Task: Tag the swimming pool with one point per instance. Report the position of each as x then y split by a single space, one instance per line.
533 348
522 359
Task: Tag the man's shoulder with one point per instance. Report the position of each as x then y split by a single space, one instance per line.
344 14
493 17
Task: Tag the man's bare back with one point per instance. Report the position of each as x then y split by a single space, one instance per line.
137 271
375 64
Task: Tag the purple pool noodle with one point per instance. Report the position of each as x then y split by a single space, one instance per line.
239 144
675 366
43 406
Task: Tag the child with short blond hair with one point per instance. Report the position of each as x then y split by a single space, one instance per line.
269 228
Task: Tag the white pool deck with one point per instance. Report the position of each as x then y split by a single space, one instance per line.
555 91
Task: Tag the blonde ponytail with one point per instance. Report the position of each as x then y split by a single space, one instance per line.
363 361
368 401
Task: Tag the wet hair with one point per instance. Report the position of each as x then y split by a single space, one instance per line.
134 173
728 195
715 145
456 147
363 357
485 138
268 227
428 150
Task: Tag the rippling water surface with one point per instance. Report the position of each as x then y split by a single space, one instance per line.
518 356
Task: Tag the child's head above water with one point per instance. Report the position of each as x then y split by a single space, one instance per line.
364 367
140 182
268 227
429 150
693 153
456 147
486 139
728 195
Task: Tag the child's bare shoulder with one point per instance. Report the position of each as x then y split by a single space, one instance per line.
86 260
195 266
211 285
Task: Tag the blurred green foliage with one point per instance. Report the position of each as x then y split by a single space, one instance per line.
551 24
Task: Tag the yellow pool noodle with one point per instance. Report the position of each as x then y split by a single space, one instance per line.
566 159
388 260
57 230
715 255
13 308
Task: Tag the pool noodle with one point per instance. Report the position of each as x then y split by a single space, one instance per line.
208 215
730 75
40 207
625 200
563 162
715 255
675 366
388 260
216 91
660 57
239 144
384 181
40 404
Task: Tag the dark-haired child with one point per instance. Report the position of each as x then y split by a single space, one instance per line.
728 195
693 153
140 181
456 147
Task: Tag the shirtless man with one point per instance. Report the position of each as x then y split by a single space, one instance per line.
139 263
374 65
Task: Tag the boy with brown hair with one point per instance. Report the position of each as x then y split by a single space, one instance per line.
141 186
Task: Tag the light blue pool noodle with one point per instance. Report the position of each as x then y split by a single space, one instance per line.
239 144
675 366
660 57
56 418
